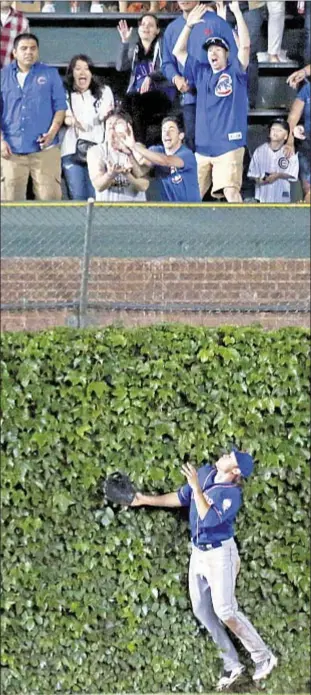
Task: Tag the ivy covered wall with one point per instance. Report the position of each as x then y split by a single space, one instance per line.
95 598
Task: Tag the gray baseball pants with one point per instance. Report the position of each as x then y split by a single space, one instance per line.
212 578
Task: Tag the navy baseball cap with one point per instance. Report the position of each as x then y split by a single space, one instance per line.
216 41
245 462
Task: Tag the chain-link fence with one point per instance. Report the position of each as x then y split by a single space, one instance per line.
84 263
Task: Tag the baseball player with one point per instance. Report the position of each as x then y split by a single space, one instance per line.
271 168
213 495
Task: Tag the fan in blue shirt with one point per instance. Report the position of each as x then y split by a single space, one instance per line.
221 114
33 105
211 25
213 496
174 164
300 110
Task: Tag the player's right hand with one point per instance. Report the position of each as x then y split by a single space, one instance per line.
137 501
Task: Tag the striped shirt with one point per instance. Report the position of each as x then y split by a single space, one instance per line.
267 161
16 23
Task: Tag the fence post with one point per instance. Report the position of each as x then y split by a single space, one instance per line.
85 264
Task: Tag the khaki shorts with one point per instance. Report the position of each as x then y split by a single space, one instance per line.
43 167
225 171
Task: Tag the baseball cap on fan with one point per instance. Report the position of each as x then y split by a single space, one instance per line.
215 41
245 462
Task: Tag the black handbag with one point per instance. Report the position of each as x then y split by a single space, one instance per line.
82 148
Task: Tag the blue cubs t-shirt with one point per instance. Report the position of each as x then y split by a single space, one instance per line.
178 185
304 95
222 106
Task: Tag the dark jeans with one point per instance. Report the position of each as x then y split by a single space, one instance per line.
77 179
254 20
189 111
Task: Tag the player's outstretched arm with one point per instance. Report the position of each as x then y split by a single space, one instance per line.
170 499
194 17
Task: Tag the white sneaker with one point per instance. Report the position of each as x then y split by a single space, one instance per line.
229 677
96 7
265 667
48 7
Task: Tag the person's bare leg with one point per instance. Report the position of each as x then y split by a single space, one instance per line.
232 195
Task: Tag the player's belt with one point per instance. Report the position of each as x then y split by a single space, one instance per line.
208 546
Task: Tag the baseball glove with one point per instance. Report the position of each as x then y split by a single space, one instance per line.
118 488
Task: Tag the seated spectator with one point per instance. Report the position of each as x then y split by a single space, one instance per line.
12 24
175 165
300 109
271 169
211 25
149 97
33 105
88 104
115 175
221 121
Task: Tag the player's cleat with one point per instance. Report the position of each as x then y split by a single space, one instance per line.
265 667
229 677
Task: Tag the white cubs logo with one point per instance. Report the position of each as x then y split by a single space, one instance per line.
283 163
226 505
41 80
224 86
176 178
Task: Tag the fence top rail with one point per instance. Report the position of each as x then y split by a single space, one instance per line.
212 206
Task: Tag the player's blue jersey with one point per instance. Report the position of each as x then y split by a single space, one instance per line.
222 106
218 524
178 185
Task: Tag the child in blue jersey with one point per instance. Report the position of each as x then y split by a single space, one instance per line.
174 164
213 496
222 106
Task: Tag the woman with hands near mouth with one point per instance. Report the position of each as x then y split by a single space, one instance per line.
88 104
114 172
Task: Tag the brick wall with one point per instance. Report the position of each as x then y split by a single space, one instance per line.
218 282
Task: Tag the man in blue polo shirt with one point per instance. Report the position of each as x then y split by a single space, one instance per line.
211 25
174 164
213 496
222 106
33 105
